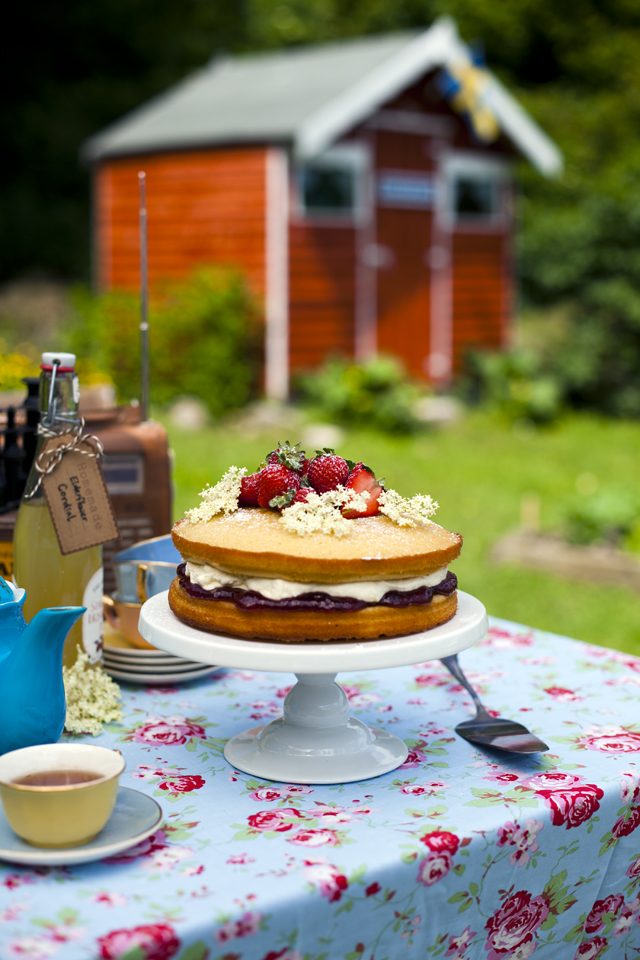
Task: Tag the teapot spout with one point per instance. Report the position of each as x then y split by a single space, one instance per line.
47 631
32 701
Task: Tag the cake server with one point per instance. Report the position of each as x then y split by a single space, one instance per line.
491 731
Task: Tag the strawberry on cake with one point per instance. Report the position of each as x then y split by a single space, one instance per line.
312 549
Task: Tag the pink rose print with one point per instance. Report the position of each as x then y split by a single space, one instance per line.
14 880
610 739
13 912
505 640
420 789
590 949
315 838
571 802
625 920
502 777
414 759
434 680
267 820
284 954
554 780
292 788
524 839
458 945
627 823
441 840
629 789
168 731
634 869
267 793
184 784
247 926
513 925
602 911
157 841
33 948
241 858
434 867
329 879
573 807
562 694
109 899
155 941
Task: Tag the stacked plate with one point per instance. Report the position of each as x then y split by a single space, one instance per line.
123 661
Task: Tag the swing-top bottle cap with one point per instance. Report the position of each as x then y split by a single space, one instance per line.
66 361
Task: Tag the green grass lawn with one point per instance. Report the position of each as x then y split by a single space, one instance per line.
478 471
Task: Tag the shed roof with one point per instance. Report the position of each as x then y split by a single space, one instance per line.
308 97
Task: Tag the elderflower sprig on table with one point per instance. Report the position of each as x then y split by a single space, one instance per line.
223 498
92 697
320 513
407 511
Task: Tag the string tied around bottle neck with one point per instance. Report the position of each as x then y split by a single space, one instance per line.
48 459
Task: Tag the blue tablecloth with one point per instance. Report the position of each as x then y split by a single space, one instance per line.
457 854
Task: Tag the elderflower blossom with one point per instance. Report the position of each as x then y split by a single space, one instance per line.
320 512
92 697
223 498
406 511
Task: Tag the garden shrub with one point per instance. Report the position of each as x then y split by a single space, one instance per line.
610 516
202 339
515 383
375 394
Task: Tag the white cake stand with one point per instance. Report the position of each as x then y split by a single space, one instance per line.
316 741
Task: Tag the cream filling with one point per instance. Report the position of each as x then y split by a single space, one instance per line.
370 591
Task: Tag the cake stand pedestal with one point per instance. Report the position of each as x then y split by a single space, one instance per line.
315 741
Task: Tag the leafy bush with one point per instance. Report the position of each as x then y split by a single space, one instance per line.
201 335
514 383
15 366
611 517
374 394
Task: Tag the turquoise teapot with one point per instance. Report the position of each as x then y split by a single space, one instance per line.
32 701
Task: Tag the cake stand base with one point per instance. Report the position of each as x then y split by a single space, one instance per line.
316 741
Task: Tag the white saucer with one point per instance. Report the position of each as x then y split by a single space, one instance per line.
134 818
159 679
188 667
165 661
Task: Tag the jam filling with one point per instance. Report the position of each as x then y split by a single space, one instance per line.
315 600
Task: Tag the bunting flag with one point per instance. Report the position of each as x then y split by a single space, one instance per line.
466 85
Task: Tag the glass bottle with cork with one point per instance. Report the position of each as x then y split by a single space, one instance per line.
50 577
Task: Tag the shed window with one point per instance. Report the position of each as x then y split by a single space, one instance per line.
475 190
330 186
475 198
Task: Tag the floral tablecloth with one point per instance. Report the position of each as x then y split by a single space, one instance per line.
457 854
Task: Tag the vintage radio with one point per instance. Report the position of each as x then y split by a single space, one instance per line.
137 469
136 466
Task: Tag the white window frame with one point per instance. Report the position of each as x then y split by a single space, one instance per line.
460 164
355 156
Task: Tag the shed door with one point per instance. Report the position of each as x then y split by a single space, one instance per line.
404 199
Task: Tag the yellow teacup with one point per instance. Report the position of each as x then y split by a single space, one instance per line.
124 617
59 794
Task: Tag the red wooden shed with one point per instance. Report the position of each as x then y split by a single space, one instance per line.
364 187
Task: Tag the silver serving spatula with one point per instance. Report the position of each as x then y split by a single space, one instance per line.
491 731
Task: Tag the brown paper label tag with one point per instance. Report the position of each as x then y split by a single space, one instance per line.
78 499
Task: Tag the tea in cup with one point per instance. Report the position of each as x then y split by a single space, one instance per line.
60 794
